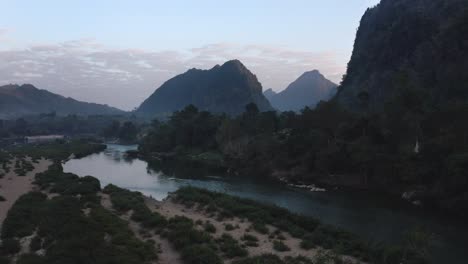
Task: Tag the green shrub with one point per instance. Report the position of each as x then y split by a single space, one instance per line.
183 234
259 227
31 259
209 227
36 244
280 246
307 244
200 254
22 217
10 246
229 227
230 247
263 259
248 237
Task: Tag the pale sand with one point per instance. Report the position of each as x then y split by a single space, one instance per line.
13 186
169 208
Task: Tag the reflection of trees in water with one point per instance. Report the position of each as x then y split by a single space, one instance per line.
119 156
129 160
183 169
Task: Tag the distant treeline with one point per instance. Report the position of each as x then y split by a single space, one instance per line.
121 127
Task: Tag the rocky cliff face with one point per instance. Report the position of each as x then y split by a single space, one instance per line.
408 44
26 99
222 89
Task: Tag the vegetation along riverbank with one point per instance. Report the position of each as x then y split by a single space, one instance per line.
190 226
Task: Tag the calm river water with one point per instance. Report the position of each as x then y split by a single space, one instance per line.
370 217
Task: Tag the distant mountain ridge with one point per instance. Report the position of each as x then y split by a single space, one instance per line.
20 100
223 89
308 90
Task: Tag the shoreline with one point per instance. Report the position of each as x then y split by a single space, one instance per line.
389 198
13 186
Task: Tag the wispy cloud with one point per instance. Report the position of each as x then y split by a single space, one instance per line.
87 70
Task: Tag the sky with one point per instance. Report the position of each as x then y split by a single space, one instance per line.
118 52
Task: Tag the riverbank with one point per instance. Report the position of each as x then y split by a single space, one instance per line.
256 239
186 165
190 226
246 231
12 185
373 216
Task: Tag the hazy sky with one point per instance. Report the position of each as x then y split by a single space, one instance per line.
118 52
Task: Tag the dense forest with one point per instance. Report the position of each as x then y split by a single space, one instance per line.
409 148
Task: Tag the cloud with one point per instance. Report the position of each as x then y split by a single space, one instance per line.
4 35
89 71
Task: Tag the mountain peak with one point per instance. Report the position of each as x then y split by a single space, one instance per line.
222 89
307 90
233 63
28 88
269 93
312 74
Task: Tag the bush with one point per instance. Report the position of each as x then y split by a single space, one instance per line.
31 259
248 237
229 227
183 234
200 254
250 240
36 244
10 246
261 228
230 247
209 227
263 259
307 244
22 218
280 246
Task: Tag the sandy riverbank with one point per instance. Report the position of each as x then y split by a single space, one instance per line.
169 208
13 186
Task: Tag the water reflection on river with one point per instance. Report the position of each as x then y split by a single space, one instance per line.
360 214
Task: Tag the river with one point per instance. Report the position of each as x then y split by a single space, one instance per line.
368 216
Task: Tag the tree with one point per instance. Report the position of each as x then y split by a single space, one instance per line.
128 132
112 130
20 127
